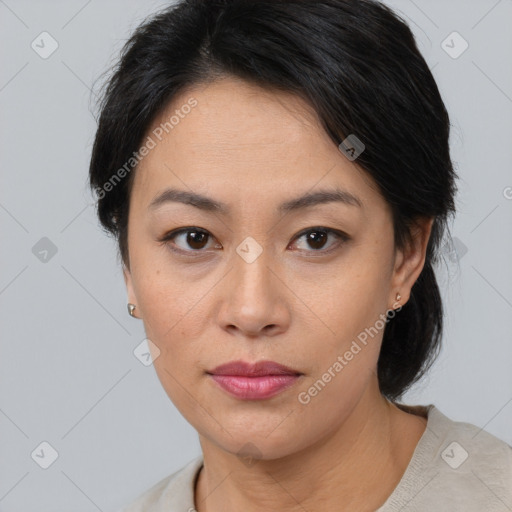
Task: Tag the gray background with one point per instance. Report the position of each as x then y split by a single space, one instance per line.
68 375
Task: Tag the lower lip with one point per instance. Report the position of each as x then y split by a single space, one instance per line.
254 388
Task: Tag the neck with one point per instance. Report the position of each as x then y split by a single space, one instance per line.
358 465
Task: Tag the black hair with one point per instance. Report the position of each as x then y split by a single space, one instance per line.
357 64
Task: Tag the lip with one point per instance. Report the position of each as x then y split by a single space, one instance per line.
254 381
259 369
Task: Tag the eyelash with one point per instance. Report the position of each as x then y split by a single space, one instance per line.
169 237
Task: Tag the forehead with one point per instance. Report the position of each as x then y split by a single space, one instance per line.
241 138
234 119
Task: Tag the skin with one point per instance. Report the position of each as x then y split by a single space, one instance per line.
296 304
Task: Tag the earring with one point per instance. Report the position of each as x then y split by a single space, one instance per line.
131 308
397 298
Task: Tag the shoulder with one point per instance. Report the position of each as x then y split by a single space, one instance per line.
174 492
471 459
470 448
456 466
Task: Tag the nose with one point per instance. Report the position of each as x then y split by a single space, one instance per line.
254 300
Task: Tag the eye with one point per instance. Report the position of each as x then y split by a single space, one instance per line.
317 237
195 240
189 240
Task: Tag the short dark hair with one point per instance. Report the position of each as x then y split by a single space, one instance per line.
357 64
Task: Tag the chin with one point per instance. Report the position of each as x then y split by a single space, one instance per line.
257 436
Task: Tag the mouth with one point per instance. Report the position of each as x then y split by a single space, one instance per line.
258 381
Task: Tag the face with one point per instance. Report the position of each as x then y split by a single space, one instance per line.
261 276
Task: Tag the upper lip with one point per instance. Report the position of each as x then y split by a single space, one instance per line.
258 369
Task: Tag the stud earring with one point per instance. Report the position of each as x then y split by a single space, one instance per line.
397 298
131 309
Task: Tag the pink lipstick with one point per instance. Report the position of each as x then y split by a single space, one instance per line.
257 381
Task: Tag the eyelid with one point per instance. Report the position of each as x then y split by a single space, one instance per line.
168 237
340 235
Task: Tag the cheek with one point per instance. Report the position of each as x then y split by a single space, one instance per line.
342 369
352 304
174 320
175 317
170 301
347 300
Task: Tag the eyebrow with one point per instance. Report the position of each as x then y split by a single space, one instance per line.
210 205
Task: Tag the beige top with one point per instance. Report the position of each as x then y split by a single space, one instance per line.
455 467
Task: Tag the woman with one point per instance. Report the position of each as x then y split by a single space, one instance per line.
278 177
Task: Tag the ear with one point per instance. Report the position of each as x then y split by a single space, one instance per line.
410 260
129 288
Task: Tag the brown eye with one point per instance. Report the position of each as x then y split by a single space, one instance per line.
188 240
196 239
317 238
